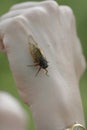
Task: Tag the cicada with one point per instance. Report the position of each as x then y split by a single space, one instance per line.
37 55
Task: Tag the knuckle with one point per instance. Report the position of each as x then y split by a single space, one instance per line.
52 5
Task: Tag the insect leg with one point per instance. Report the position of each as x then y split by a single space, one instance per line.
32 65
46 72
38 71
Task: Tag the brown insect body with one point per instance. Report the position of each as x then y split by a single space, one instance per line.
37 56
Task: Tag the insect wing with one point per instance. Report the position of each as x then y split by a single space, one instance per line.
34 49
31 40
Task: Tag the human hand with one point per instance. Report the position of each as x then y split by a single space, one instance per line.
52 99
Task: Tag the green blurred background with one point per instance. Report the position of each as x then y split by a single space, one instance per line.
79 8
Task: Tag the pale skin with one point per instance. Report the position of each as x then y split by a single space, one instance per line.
12 115
54 100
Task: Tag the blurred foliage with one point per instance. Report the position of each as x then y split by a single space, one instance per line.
79 8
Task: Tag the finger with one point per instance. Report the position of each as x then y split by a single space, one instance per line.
12 115
26 5
20 9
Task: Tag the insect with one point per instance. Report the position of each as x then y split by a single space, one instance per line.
37 56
